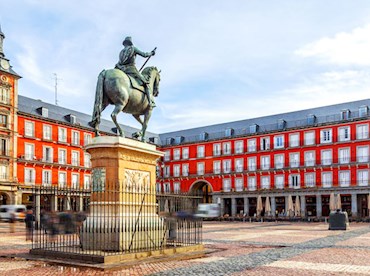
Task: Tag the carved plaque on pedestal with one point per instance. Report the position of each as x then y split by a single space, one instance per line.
137 181
98 180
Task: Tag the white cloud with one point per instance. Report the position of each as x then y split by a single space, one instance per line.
345 48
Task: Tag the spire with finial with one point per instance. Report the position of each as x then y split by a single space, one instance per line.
2 36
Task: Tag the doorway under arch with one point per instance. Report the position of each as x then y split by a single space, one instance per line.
4 198
202 189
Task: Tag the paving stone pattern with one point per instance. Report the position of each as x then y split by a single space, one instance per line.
244 262
235 249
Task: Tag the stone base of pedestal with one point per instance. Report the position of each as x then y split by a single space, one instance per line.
125 232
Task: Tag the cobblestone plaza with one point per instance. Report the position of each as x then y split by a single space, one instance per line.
233 248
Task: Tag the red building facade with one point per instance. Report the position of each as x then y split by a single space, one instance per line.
50 153
309 158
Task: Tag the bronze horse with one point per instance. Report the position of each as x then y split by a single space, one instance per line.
114 87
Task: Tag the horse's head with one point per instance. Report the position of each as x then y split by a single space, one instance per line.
154 77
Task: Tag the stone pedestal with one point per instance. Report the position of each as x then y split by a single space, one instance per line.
123 211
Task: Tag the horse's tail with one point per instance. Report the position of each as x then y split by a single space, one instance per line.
98 100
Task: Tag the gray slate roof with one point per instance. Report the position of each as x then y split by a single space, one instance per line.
58 113
293 119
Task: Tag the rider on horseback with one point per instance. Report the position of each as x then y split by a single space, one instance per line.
126 63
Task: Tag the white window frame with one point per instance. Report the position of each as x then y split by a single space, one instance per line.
167 187
75 180
326 136
326 157
279 141
327 179
265 162
75 158
62 158
29 129
265 143
29 151
176 187
362 131
158 187
362 154
47 131
344 133
185 153
87 138
252 145
167 155
310 179
294 181
294 160
166 171
217 167
252 163
185 169
226 148
279 181
226 166
87 181
344 178
239 165
75 138
200 168
201 151
45 157
279 160
308 140
239 184
293 140
4 171
29 176
47 177
176 170
363 177
239 146
344 155
87 160
226 184
309 158
176 154
252 183
62 134
217 149
265 182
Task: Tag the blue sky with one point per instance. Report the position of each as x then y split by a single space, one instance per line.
221 60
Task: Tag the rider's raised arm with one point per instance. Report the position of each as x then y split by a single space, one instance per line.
141 53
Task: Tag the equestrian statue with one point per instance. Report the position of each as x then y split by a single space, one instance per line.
129 90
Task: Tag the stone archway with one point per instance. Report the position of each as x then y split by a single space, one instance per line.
5 198
202 188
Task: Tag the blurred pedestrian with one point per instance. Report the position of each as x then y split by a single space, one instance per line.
12 222
29 219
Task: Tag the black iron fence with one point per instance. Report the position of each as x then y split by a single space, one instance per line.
72 222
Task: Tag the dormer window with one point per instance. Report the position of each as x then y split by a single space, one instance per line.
71 118
169 140
363 111
153 140
345 114
229 132
281 124
203 136
44 112
253 128
179 139
311 119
